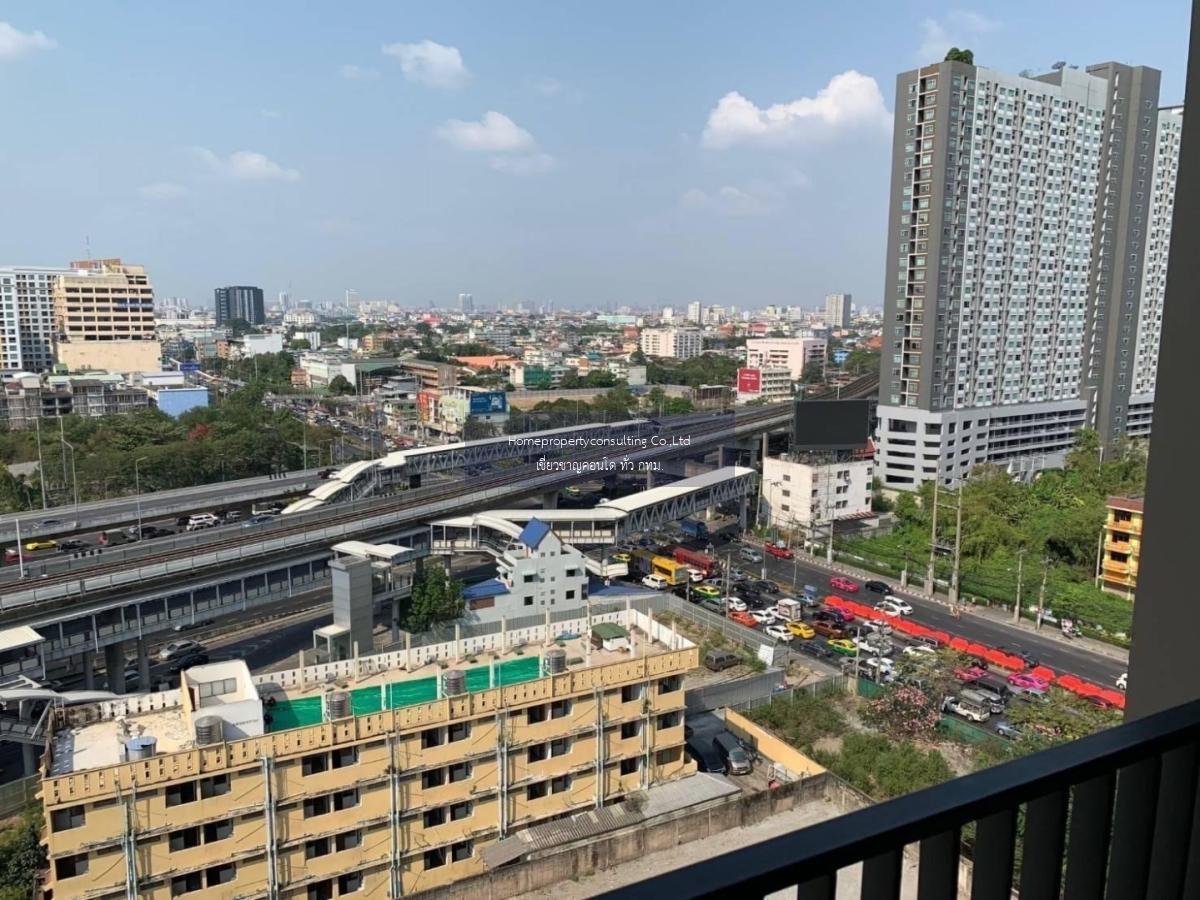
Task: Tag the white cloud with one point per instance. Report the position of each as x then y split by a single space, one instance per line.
430 63
15 44
727 201
531 164
351 72
246 165
851 100
549 87
494 133
957 29
270 114
162 190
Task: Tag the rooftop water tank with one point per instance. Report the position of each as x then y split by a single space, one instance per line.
140 748
454 681
337 704
209 730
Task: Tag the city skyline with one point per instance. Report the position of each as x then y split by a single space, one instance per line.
286 168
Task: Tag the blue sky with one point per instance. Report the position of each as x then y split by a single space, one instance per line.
639 153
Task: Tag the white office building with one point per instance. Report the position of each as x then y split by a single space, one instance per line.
27 318
837 310
1016 224
793 354
806 491
675 343
695 312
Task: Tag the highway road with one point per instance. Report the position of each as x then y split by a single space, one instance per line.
96 514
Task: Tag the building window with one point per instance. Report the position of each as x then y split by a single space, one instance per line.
560 783
434 817
629 766
669 720
70 866
322 890
537 753
345 799
316 806
433 778
218 831
670 684
535 714
66 819
222 874
214 787
528 601
184 839
630 730
669 756
560 746
459 731
560 708
346 756
186 884
348 841
432 737
315 764
350 883
460 772
435 859
179 794
462 850
319 847
537 791
461 810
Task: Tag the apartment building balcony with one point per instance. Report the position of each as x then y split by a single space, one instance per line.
1119 568
1112 814
1132 526
1126 547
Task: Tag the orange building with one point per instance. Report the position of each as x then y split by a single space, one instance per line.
1122 545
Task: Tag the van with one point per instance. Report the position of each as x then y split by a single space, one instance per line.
266 509
985 696
655 582
201 520
720 660
969 709
811 595
733 754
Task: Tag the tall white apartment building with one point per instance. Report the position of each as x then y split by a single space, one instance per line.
837 310
1020 209
27 318
695 312
793 354
677 343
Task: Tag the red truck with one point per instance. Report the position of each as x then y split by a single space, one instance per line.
701 562
777 551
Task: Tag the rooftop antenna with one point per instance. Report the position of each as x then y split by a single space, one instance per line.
1059 65
87 247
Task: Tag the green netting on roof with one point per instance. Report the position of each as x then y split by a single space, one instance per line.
295 713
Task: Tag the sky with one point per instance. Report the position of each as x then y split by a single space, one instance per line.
617 153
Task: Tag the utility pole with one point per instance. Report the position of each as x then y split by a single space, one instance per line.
1042 591
929 583
1099 552
953 596
1020 569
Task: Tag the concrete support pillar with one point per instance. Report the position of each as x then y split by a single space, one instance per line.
89 670
408 650
395 619
550 500
547 638
765 445
503 634
742 513
114 666
143 664
710 513
649 479
29 759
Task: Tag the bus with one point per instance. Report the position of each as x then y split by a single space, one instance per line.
647 562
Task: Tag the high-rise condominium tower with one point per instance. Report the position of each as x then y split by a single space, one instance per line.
239 302
837 310
27 318
1018 282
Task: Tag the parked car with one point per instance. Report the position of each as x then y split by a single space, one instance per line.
41 544
706 590
1026 681
739 575
177 649
767 587
70 545
750 555
732 753
840 583
655 582
969 673
778 552
918 650
743 618
903 605
202 520
720 660
967 709
763 616
736 604
779 632
877 587
888 608
827 629
842 645
1008 730
706 758
817 649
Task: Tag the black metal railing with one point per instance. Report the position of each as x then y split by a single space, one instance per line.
1113 815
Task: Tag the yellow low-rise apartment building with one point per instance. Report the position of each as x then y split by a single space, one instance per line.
1122 545
379 777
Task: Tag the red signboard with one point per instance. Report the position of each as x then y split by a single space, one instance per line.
749 381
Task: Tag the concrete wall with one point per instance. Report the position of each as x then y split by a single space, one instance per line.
770 746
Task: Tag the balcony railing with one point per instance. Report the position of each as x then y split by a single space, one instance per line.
1112 815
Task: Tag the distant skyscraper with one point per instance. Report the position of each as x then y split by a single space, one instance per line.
466 303
239 302
285 300
668 313
837 310
695 312
1026 248
27 318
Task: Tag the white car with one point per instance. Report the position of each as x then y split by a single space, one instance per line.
763 616
904 607
735 604
176 649
919 650
656 582
779 632
696 576
873 645
880 626
881 663
888 608
1123 680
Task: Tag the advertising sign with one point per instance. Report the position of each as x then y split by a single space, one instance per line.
489 402
189 367
749 381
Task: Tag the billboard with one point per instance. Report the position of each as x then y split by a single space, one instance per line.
189 367
839 355
426 400
749 381
830 424
485 402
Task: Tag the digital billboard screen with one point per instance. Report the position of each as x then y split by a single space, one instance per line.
489 402
830 424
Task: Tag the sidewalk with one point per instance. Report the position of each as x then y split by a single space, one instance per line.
995 615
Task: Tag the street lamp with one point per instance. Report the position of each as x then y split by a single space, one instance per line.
137 486
74 476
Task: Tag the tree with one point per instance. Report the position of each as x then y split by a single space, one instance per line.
339 385
21 856
1063 718
813 373
962 56
637 357
904 711
300 344
436 598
